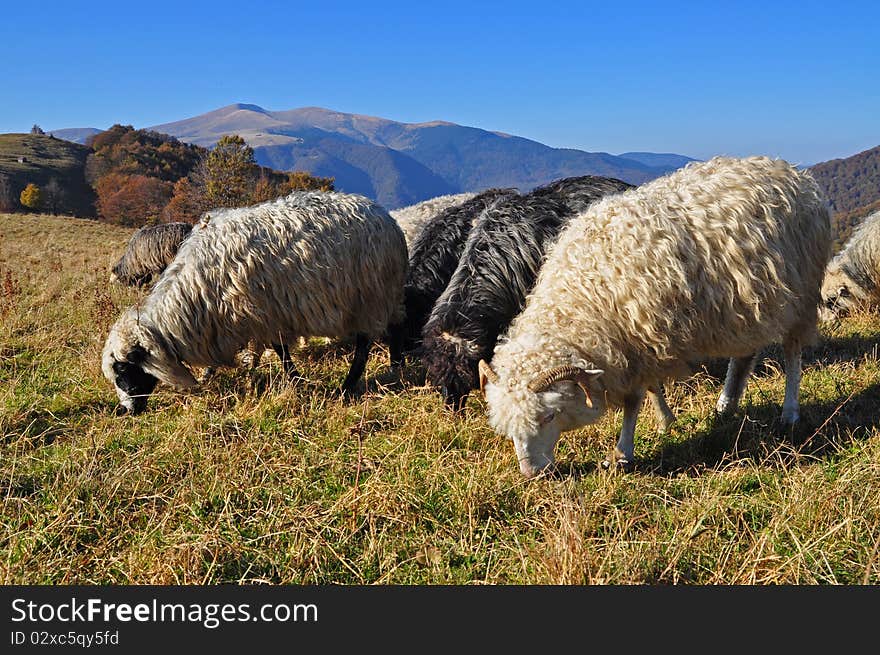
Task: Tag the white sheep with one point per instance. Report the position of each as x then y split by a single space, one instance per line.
718 259
852 279
414 217
311 263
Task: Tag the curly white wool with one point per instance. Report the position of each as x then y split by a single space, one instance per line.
852 279
717 259
311 263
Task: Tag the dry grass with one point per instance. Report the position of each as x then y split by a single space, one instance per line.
254 480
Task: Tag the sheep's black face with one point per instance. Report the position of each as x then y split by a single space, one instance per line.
454 379
133 384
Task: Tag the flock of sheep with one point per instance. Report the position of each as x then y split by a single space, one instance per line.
584 294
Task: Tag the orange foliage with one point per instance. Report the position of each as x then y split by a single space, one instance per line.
131 200
187 204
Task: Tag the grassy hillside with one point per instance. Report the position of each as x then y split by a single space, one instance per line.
253 480
48 158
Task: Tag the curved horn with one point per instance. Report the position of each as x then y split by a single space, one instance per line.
579 375
486 373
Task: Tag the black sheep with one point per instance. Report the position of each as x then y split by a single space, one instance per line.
497 269
432 260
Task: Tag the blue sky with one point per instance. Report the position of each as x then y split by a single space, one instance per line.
792 79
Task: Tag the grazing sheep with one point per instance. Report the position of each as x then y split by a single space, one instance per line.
148 252
497 269
718 259
432 260
414 217
311 263
852 279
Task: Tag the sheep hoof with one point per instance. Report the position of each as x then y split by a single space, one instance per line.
790 418
617 462
785 426
666 426
349 394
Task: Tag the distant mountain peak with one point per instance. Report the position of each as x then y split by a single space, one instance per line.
400 163
242 106
75 134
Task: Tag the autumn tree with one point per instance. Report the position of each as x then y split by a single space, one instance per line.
123 149
187 203
53 195
265 189
31 197
229 173
7 197
302 181
131 200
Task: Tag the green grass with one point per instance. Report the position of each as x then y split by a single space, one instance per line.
251 479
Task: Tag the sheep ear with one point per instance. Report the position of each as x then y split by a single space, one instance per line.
587 382
137 355
172 372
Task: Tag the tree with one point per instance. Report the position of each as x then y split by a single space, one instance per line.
265 189
131 200
229 173
7 198
53 195
31 197
302 181
36 129
187 204
123 149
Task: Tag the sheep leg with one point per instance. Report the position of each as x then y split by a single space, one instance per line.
623 453
358 364
790 408
283 352
395 345
664 414
738 371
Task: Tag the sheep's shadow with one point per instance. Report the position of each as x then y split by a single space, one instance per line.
755 429
842 350
405 376
572 470
828 350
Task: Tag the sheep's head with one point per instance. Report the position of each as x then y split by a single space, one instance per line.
132 383
840 294
451 366
534 413
134 363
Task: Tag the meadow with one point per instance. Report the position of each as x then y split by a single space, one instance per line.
252 479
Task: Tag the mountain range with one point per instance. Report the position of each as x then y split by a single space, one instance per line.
398 163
